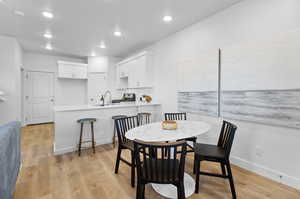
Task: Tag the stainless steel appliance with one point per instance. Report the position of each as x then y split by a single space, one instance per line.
129 97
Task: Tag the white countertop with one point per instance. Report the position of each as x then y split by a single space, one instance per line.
96 107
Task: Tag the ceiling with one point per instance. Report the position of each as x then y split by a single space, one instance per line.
79 26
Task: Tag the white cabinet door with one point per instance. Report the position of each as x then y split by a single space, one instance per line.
123 70
137 73
72 70
39 97
141 77
132 74
97 85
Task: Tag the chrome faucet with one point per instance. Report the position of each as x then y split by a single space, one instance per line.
107 102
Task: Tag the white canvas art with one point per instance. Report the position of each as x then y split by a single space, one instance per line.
197 79
260 81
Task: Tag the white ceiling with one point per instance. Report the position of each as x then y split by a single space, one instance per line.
79 26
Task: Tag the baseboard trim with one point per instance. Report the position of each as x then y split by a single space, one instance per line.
267 172
62 150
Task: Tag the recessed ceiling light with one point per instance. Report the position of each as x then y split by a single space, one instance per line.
102 45
47 14
49 46
117 33
93 54
19 13
48 35
168 18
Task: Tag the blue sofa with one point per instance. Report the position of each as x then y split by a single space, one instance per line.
9 158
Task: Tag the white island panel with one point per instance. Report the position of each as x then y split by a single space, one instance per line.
67 129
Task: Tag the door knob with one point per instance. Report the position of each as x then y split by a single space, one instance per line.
52 100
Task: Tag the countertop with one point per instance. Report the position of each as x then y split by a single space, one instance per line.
97 107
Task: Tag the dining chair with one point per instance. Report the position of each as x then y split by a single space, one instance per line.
153 166
122 126
217 153
144 118
182 116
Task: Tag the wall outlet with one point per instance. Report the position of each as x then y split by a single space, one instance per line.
259 151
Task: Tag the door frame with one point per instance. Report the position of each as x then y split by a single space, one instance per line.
24 101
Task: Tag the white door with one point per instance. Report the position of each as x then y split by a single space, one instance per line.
39 97
97 85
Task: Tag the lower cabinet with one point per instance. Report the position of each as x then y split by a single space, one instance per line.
67 129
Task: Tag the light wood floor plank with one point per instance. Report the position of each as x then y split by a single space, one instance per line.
91 176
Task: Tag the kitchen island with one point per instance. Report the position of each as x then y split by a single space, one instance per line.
67 129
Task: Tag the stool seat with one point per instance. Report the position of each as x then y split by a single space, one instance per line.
115 117
86 120
144 113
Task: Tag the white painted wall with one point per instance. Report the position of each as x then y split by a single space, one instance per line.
67 91
10 79
250 20
106 65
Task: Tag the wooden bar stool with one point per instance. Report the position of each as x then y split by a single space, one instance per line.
115 117
82 121
144 118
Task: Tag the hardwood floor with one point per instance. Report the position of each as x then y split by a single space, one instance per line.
91 176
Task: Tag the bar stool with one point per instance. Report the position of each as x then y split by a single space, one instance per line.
144 118
115 117
82 121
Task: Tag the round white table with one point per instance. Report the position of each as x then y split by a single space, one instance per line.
154 133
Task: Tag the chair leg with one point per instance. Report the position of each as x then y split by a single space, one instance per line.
182 196
178 192
223 169
132 169
118 160
93 137
198 162
143 191
194 167
231 180
114 137
138 191
80 139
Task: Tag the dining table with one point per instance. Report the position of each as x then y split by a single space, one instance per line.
154 132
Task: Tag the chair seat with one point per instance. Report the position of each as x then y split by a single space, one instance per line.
129 145
159 171
209 151
115 117
86 120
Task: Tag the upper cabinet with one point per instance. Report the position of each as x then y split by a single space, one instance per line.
132 72
72 70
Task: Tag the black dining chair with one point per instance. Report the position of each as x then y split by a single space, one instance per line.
217 153
153 166
182 116
122 126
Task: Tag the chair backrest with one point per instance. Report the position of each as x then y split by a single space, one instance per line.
226 136
144 118
160 162
175 116
125 124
